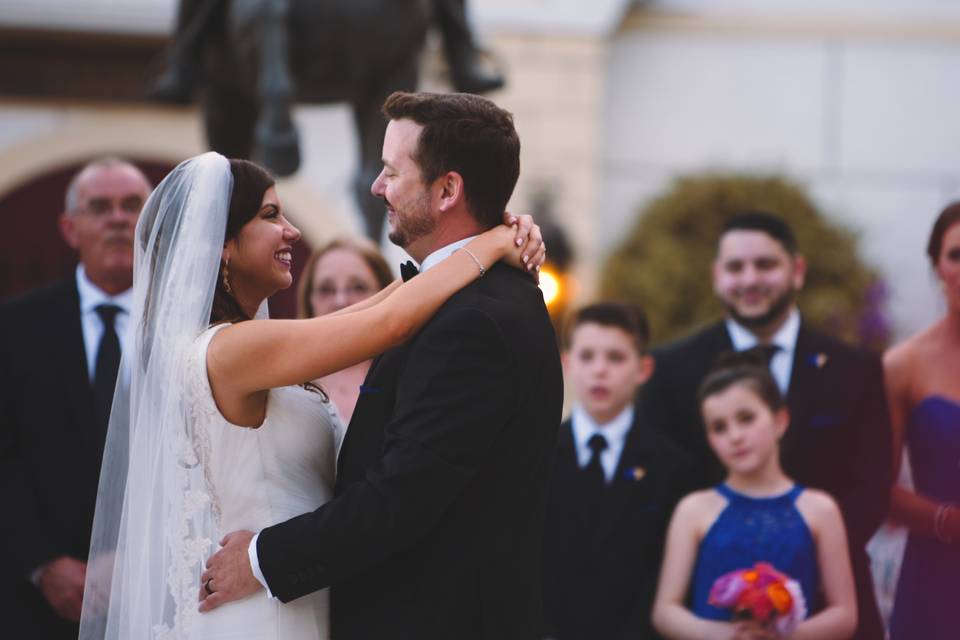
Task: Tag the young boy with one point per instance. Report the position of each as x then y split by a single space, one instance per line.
614 485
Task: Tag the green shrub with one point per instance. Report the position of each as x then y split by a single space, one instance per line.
665 261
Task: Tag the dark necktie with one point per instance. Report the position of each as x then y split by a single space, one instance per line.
765 351
593 477
408 270
105 371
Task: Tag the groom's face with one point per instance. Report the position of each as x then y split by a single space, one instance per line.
410 211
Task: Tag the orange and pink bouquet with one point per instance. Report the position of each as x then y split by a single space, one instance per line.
763 594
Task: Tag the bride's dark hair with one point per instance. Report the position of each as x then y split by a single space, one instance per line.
250 182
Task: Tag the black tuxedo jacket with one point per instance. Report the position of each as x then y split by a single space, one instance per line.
50 450
436 526
838 439
601 569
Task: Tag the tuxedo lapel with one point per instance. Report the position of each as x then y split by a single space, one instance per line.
629 482
567 479
710 345
804 394
718 341
69 349
363 443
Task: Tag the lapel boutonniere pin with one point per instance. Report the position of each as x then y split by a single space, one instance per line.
819 360
637 473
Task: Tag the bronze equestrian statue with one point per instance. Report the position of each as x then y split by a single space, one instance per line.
255 58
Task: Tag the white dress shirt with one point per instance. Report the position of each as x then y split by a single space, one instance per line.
781 365
430 261
614 432
92 297
443 253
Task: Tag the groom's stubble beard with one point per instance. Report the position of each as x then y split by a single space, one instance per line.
414 223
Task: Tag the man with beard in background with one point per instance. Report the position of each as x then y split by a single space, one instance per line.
839 435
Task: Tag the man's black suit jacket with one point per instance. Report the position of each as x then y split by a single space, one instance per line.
601 565
436 526
50 451
838 439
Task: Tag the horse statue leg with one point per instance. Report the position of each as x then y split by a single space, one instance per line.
230 106
229 114
277 144
371 127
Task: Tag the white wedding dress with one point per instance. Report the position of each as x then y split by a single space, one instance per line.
260 477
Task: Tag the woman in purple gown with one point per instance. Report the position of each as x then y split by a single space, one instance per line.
923 387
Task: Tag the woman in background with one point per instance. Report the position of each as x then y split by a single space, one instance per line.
923 389
337 275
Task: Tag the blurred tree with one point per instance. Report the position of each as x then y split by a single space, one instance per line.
665 262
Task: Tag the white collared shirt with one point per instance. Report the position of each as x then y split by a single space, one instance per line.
781 365
92 297
614 432
443 253
429 262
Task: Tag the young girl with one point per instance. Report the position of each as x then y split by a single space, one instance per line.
757 515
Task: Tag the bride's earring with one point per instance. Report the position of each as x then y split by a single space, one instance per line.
226 276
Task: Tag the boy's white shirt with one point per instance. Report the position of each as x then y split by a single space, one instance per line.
614 432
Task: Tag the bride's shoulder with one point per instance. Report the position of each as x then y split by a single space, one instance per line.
204 337
197 360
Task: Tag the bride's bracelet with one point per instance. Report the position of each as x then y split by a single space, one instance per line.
940 522
483 271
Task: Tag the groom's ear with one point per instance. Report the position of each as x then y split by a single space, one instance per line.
451 192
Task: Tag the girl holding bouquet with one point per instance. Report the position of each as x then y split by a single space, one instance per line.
749 558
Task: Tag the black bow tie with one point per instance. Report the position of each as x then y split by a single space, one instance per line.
408 270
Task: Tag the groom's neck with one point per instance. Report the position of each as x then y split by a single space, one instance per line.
441 237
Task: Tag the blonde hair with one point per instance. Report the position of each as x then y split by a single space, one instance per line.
360 246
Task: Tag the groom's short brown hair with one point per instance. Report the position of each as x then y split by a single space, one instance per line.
468 134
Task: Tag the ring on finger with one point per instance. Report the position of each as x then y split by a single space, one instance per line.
206 586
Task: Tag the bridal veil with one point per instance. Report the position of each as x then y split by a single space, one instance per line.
154 523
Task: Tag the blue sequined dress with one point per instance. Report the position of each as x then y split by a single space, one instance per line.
751 530
928 592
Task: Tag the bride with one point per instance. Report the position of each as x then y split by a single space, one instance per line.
214 426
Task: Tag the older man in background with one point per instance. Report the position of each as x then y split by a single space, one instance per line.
59 353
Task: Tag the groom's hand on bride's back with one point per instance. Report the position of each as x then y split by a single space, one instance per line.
228 576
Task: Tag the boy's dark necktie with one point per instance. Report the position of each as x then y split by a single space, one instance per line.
594 480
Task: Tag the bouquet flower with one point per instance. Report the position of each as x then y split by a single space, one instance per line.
763 594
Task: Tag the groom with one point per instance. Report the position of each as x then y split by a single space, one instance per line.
436 523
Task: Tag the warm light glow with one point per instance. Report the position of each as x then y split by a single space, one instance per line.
550 285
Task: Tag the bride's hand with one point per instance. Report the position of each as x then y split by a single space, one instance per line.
528 250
